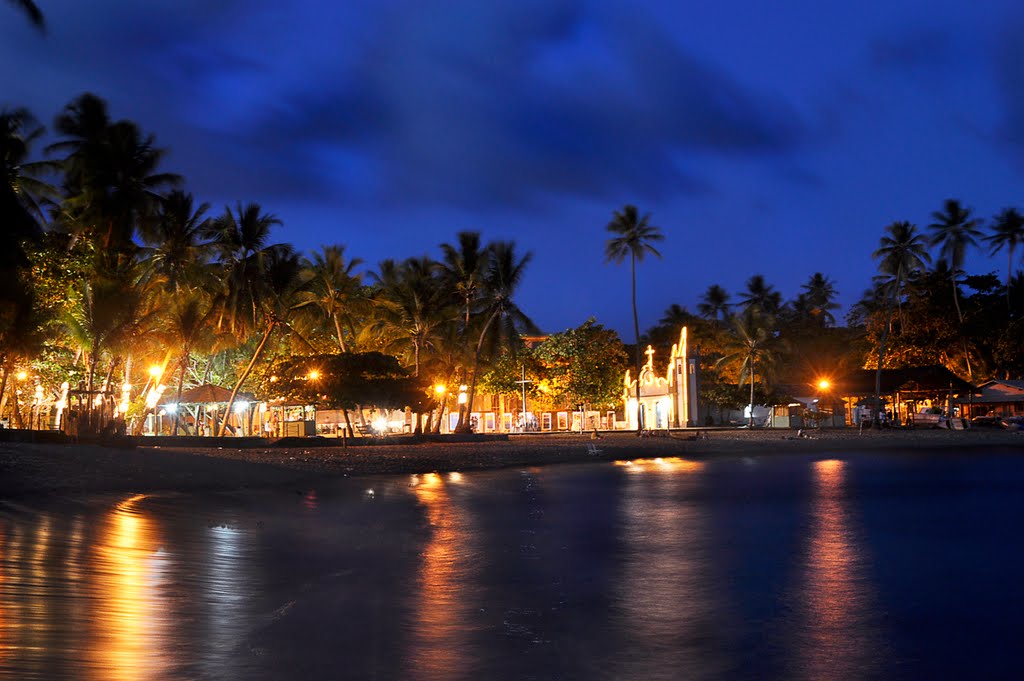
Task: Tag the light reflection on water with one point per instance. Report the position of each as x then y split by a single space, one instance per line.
656 569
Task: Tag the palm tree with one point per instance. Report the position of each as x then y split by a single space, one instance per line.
634 236
187 327
1008 233
761 296
271 298
32 11
463 266
901 253
714 304
953 231
752 345
239 239
819 295
111 181
502 278
332 287
177 252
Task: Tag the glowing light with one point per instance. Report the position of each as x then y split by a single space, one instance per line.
273 379
155 370
22 375
314 374
380 424
440 390
824 384
671 463
455 476
171 408
240 407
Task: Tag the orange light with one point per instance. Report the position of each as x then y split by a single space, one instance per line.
440 390
824 384
314 374
155 370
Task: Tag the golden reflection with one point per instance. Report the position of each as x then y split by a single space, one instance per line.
665 598
439 637
669 464
128 619
836 590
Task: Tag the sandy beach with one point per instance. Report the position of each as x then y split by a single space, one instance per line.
29 469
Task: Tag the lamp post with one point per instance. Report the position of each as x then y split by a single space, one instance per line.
823 386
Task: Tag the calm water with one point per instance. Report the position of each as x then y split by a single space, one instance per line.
866 567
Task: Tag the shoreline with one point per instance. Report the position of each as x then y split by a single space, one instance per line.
29 469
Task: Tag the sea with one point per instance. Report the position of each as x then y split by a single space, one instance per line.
861 565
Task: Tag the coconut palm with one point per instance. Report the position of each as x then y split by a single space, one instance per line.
634 237
761 296
273 283
953 231
819 296
901 253
714 304
333 288
504 321
1008 233
177 252
110 168
32 11
24 191
752 345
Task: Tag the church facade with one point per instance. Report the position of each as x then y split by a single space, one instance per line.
667 399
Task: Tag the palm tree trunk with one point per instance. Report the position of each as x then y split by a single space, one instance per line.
751 391
341 339
875 418
636 336
245 375
181 385
466 426
1009 275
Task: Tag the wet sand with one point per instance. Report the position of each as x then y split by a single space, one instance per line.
29 469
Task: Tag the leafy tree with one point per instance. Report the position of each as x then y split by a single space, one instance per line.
32 12
634 236
347 381
584 365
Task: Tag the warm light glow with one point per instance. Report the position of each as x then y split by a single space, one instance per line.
314 374
824 384
273 379
171 408
440 390
671 463
380 424
155 370
240 407
22 375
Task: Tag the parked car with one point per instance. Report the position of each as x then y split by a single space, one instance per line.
930 418
987 422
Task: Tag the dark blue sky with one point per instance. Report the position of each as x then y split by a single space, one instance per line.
776 138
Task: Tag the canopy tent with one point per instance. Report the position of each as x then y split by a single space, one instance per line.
201 407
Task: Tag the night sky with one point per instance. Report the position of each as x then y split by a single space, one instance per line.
764 137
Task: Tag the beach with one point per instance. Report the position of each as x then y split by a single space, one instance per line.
28 469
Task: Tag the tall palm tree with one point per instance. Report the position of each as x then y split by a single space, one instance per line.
1008 233
110 169
273 294
954 230
177 252
633 236
24 189
504 320
761 296
819 295
462 272
332 288
240 239
752 346
714 304
901 252
32 11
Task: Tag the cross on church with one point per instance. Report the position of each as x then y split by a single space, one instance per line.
650 355
523 383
